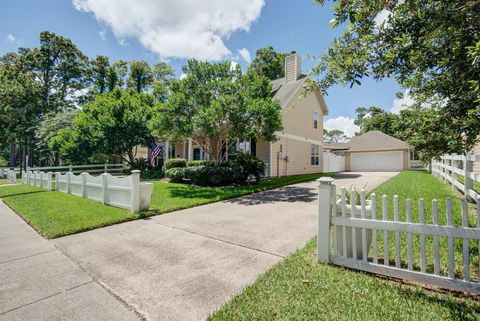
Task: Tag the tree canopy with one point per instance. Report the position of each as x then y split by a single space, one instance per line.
216 104
113 124
430 47
269 63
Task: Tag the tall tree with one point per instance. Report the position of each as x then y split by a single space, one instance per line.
113 124
269 63
334 135
215 105
20 103
425 45
163 75
117 75
141 76
375 118
61 68
100 68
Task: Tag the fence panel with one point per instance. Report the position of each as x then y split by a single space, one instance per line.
457 170
114 169
352 227
124 192
40 179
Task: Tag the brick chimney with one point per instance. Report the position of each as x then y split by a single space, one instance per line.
293 67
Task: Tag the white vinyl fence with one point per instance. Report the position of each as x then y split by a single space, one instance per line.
12 176
40 179
346 232
458 171
125 192
114 169
333 163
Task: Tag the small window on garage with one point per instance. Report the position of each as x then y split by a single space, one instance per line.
315 155
315 119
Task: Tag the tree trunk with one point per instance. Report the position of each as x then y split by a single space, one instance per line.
13 153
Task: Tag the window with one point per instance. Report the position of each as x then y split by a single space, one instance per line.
315 155
315 119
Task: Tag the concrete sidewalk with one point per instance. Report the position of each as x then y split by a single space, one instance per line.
184 265
37 282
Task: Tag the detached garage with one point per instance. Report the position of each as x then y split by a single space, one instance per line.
373 151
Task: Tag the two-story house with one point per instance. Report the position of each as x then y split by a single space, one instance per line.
299 147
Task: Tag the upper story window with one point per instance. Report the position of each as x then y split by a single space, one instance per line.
315 119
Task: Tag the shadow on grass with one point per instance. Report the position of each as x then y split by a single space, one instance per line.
20 193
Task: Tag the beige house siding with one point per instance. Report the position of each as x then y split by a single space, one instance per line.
297 117
297 137
263 151
406 157
298 153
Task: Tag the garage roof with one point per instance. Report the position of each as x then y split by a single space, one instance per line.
370 141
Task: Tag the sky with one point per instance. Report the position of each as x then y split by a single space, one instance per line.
175 30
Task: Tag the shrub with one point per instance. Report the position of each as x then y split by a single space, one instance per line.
176 174
140 164
195 163
175 163
210 175
3 162
246 165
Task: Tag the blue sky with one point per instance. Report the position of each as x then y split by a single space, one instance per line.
173 30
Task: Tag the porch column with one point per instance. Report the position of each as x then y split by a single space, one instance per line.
190 150
167 150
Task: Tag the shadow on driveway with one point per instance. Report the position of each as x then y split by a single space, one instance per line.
288 194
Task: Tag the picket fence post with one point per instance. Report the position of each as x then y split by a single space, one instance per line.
467 170
56 181
84 184
104 187
325 188
70 168
49 181
135 191
454 175
105 168
69 174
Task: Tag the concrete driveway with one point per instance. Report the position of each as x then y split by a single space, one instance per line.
186 264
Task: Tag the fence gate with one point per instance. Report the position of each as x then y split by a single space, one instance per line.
352 234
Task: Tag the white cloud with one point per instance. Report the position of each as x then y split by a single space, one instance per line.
402 103
245 54
345 124
176 28
122 42
12 39
103 34
183 76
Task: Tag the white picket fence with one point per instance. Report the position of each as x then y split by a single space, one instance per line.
40 179
347 231
451 168
125 192
115 169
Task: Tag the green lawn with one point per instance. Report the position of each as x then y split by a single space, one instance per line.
55 214
461 179
299 288
4 181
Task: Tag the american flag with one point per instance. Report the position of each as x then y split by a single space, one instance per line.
156 150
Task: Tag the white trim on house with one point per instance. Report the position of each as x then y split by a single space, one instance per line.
299 138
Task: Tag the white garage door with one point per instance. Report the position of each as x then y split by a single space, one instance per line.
376 161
